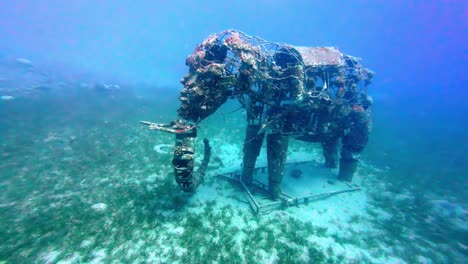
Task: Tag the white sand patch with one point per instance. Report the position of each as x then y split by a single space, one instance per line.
268 257
86 243
177 231
238 222
99 255
75 258
50 257
99 207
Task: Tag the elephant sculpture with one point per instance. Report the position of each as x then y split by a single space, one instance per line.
313 94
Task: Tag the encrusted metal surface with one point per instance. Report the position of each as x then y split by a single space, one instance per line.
316 94
321 56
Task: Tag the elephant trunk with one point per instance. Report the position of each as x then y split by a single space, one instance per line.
184 160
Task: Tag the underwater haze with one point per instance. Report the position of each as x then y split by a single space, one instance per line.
82 181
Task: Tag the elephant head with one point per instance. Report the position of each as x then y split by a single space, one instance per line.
206 87
219 66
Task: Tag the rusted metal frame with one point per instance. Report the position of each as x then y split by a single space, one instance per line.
285 199
254 204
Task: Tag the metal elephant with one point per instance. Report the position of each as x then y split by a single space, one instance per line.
314 94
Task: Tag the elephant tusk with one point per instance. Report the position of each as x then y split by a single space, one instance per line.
172 127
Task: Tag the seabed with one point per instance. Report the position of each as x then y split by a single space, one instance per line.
89 186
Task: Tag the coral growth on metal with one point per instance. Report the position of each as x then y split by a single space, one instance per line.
233 64
321 56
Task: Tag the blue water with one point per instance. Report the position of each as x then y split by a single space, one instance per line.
68 142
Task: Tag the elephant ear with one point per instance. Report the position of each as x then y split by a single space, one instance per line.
206 86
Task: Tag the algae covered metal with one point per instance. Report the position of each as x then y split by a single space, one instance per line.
314 94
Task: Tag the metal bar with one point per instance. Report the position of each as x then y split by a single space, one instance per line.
251 199
271 206
305 199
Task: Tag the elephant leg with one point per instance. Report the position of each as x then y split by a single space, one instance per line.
348 166
354 141
252 145
330 152
277 149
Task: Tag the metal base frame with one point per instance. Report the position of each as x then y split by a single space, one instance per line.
284 200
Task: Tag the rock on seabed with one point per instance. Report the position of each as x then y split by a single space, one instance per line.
100 207
24 61
7 97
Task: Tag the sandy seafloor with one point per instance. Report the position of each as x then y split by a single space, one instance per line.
82 182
